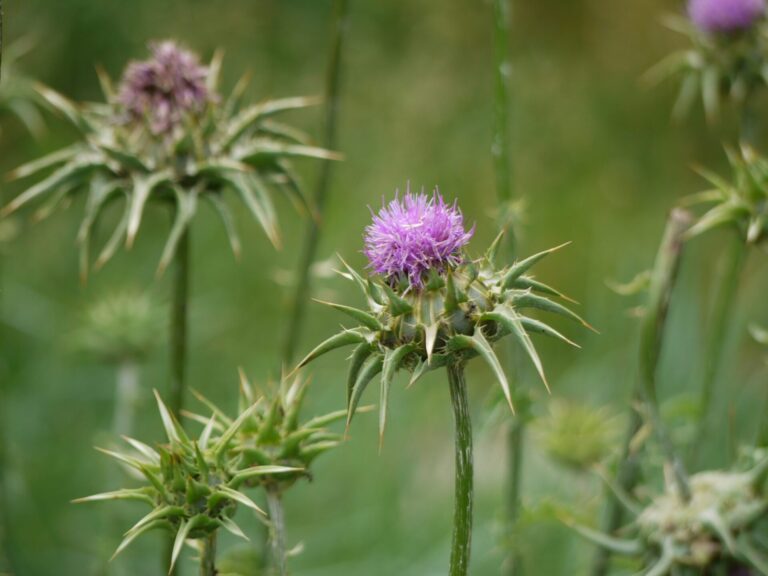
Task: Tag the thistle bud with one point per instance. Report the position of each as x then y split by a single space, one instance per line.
429 306
192 485
725 15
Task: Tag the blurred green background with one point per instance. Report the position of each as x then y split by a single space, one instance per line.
596 159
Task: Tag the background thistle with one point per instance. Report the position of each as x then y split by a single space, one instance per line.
726 61
430 307
272 435
167 138
193 486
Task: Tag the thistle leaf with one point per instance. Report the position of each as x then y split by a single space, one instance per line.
130 538
392 361
359 356
345 338
527 283
368 320
48 161
371 368
493 249
616 545
143 186
720 215
124 458
263 150
256 471
230 526
538 327
156 514
63 106
225 214
173 430
114 240
520 268
139 494
186 205
146 450
480 345
397 305
251 115
184 529
229 433
255 195
239 497
285 132
529 300
219 413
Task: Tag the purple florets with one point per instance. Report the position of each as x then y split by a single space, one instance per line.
413 235
165 88
725 15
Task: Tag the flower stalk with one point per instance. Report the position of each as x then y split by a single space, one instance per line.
208 556
463 489
179 326
313 225
277 537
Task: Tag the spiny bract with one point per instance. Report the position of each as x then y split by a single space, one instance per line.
741 203
456 311
167 138
719 67
272 434
716 528
193 484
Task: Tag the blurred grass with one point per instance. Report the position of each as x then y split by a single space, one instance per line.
597 159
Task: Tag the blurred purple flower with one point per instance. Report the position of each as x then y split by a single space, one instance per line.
413 235
725 15
165 88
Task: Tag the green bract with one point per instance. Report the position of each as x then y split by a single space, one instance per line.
741 203
455 316
272 434
228 148
719 67
193 485
716 528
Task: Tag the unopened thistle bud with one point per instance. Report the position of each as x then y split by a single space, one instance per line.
430 306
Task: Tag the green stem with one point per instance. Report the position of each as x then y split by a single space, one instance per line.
126 397
208 556
652 335
312 232
178 343
277 537
462 516
727 284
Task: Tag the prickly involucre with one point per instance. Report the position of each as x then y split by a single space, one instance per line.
432 306
166 138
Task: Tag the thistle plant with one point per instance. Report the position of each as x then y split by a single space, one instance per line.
726 60
17 94
430 307
193 486
166 137
272 435
714 531
121 330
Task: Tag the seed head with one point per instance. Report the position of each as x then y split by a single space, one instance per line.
165 88
413 235
725 15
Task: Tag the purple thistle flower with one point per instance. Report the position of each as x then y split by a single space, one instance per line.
165 88
725 15
412 236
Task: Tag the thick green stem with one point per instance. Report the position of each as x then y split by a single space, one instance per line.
462 515
727 283
126 397
178 343
652 332
277 536
312 232
652 335
208 556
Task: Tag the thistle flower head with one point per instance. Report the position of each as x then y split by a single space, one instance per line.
725 15
461 307
193 486
165 88
413 235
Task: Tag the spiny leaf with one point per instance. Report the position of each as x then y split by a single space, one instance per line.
256 471
143 186
212 407
145 449
130 538
139 494
184 529
261 150
48 161
186 205
538 327
114 240
528 283
371 368
616 545
480 345
172 428
720 215
63 106
225 214
230 526
520 268
530 300
124 458
359 356
156 514
253 114
392 361
397 305
239 497
493 249
230 432
345 338
361 316
255 195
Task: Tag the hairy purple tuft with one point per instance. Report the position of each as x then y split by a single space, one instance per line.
165 88
413 235
725 15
